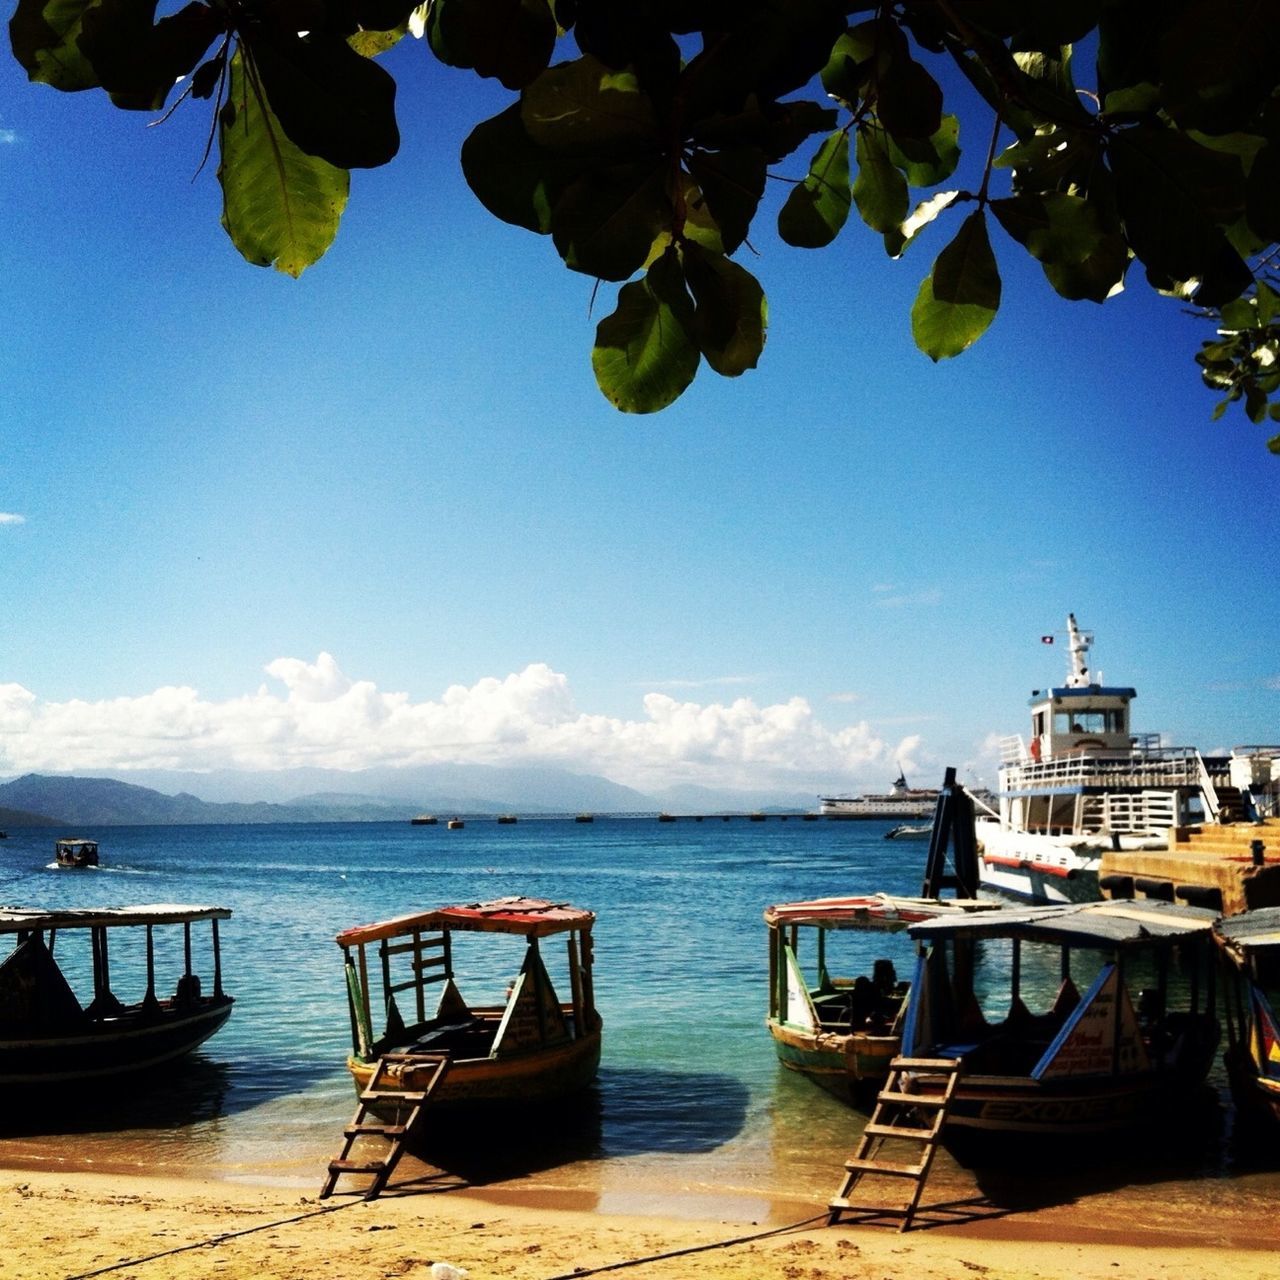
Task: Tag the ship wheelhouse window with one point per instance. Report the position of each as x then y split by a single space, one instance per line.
1108 720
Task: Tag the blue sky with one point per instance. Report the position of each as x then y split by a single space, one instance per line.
787 581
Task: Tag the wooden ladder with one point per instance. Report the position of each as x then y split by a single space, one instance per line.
407 1105
892 1121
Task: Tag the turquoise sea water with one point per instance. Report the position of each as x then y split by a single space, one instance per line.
691 1107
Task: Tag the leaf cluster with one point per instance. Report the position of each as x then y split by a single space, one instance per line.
643 135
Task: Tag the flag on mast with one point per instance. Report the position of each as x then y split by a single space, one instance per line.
1046 639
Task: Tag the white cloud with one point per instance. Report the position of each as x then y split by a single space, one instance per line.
7 135
7 517
319 716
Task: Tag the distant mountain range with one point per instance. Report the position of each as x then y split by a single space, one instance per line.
331 795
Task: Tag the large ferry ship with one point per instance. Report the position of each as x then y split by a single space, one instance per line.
1083 784
900 801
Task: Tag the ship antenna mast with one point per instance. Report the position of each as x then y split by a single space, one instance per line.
1078 644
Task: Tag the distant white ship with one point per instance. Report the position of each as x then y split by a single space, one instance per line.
901 801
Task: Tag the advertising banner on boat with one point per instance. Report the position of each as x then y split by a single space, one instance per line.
1100 1038
800 1012
1268 1036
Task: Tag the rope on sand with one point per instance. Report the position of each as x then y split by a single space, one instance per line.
211 1241
680 1253
223 1236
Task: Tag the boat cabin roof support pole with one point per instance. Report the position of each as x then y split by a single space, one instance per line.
575 982
588 983
186 945
419 989
1015 973
774 1010
1118 960
364 990
217 961
150 997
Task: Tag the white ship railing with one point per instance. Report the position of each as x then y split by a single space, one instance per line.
1168 767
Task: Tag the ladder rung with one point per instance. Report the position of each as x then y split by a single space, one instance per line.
842 1202
911 1099
391 1095
883 1166
907 1132
357 1166
386 1130
924 1064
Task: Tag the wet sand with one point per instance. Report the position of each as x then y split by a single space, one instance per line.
67 1225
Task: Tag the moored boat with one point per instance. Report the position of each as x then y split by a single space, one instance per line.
1250 946
526 1048
51 1036
905 831
1083 788
842 1032
1040 1055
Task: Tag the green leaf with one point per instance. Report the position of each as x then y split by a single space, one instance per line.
1262 192
138 60
331 102
514 178
1052 227
281 206
369 44
1094 278
607 220
643 357
731 315
818 207
45 36
879 190
1168 191
927 161
508 40
777 132
732 182
584 107
908 100
959 298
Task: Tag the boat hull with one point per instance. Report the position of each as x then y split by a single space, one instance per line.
850 1067
114 1048
541 1075
1024 1107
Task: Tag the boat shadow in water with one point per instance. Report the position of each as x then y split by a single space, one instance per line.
158 1098
625 1113
1187 1147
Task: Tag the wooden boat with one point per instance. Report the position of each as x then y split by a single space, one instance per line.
424 820
1250 947
998 992
76 853
455 824
528 1048
842 1032
50 1035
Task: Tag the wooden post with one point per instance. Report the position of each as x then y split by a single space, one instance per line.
151 967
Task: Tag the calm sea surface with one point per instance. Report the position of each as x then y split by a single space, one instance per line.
691 1109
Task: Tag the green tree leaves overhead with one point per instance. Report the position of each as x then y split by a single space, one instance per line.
280 206
651 140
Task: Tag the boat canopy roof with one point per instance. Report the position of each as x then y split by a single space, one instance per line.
873 911
1250 931
528 917
25 919
1105 925
66 841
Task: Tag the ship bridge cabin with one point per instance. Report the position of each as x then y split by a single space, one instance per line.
1094 718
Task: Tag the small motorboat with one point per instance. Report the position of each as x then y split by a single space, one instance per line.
904 831
76 852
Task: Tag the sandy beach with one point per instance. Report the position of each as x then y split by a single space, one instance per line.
65 1226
